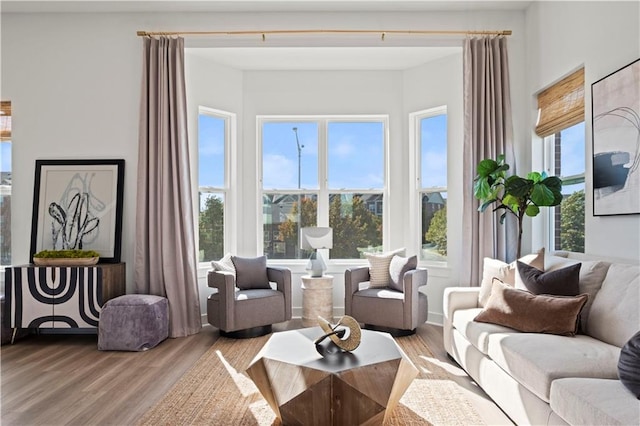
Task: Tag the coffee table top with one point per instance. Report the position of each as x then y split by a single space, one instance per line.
296 347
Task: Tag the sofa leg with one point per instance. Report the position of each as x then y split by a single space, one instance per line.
247 333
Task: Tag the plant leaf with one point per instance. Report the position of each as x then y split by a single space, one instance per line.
518 187
532 210
541 195
481 189
486 167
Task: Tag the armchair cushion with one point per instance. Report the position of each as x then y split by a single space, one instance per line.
251 272
397 268
379 267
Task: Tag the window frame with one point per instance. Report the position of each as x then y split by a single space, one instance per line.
230 179
323 191
549 164
415 176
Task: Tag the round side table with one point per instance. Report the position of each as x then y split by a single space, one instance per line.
317 299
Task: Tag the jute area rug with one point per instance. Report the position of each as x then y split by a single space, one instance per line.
216 391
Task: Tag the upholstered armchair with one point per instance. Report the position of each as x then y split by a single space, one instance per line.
386 308
246 304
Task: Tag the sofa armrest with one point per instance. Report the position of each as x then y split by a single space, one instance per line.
282 278
225 282
459 298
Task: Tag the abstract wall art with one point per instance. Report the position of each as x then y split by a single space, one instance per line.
77 204
616 142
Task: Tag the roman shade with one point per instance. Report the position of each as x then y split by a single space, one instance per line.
5 120
561 105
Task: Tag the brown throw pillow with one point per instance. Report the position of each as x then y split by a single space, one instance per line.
251 272
560 282
523 311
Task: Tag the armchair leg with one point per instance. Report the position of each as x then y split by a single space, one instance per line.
247 332
395 332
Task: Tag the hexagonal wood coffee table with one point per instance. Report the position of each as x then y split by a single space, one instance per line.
304 388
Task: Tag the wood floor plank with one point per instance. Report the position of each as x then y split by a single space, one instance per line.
65 380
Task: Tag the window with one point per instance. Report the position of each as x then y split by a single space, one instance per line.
567 153
323 171
214 133
430 139
561 124
5 182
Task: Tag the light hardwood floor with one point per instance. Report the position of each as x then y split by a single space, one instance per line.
65 380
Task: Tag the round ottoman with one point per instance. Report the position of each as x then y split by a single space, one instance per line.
133 322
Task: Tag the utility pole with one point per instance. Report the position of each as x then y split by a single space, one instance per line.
295 130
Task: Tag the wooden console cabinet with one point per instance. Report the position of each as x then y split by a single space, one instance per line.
60 297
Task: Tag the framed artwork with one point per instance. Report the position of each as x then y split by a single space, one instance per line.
615 102
77 204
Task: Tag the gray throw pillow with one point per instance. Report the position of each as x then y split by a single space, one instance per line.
251 272
397 268
559 282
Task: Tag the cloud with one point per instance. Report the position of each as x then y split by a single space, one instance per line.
279 172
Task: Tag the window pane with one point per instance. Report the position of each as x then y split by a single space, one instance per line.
356 220
211 137
356 155
434 226
211 226
433 151
290 155
5 203
433 175
282 219
569 158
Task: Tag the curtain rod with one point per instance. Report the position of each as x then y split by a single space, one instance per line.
288 32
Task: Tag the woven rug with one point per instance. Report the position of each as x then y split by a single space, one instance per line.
216 391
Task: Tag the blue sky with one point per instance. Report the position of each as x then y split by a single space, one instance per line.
433 151
5 156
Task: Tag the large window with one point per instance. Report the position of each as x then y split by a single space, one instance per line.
566 151
430 137
214 132
323 171
561 124
5 183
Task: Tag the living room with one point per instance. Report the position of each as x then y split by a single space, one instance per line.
72 73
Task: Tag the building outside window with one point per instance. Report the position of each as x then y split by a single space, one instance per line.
430 127
323 171
214 130
5 183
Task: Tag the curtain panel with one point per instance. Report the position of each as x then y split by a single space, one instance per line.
487 133
165 254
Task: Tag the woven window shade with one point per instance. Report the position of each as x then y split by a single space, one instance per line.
5 120
561 105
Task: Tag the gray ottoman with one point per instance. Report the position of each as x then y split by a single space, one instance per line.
133 322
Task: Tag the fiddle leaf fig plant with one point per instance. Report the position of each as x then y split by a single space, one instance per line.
514 194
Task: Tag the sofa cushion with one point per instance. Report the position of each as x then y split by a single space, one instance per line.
629 365
505 272
614 316
523 311
477 333
559 282
582 401
535 360
251 272
379 267
398 267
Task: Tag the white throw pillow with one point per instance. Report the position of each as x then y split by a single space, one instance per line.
505 272
225 264
379 276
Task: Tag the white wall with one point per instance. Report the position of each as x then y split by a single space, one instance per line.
74 83
602 37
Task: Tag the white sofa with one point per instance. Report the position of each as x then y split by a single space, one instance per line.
550 379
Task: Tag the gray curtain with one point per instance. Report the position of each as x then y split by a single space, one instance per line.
487 133
165 256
